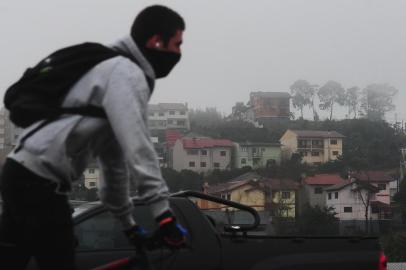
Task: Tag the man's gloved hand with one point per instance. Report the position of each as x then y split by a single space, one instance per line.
137 236
172 233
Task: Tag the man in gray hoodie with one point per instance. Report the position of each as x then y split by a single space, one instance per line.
36 219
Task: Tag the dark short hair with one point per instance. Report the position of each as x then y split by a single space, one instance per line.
156 20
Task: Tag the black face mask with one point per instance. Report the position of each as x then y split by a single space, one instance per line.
161 61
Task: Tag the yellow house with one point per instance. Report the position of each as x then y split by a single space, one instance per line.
254 191
315 146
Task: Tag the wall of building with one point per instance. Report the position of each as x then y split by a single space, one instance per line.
347 198
289 144
313 198
329 149
290 203
248 195
181 158
266 153
168 119
92 178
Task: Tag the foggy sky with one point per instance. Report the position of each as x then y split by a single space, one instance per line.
230 47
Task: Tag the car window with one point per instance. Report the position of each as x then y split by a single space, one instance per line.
100 232
104 232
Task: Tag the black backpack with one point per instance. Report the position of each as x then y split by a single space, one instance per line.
39 93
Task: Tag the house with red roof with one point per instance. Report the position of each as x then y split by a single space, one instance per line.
313 188
201 154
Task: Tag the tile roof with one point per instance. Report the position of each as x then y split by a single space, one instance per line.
271 94
317 133
324 179
360 185
252 178
372 176
171 136
228 186
281 184
190 143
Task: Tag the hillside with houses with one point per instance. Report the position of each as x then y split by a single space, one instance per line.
261 157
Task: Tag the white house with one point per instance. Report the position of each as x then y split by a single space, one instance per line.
92 177
349 200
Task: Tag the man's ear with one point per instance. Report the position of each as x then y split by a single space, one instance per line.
155 42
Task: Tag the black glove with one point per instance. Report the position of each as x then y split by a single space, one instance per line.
170 232
137 236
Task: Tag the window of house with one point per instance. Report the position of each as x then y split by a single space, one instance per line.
91 171
151 114
318 190
191 164
335 153
315 153
382 186
216 165
192 152
285 195
228 197
243 149
223 153
333 141
203 164
92 184
171 112
170 122
347 209
161 114
182 112
317 142
203 152
336 195
263 149
181 122
243 161
329 195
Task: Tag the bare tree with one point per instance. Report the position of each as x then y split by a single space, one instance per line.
302 93
365 193
329 94
352 101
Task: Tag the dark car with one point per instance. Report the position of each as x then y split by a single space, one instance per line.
217 246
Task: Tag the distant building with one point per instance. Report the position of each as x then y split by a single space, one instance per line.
349 200
256 155
379 179
201 154
270 105
263 108
315 146
168 116
258 192
92 177
313 190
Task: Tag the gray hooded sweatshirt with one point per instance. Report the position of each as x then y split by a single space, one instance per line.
61 150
